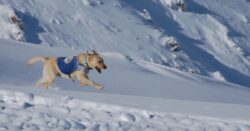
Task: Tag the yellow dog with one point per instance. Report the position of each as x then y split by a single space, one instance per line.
67 68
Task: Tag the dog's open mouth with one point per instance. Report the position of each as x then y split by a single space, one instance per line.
98 69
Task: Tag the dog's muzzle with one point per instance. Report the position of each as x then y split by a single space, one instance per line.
104 67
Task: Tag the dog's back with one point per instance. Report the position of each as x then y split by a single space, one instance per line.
33 60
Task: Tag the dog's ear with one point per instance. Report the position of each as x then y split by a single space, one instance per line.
95 52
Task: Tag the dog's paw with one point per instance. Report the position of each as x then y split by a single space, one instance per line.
83 84
99 87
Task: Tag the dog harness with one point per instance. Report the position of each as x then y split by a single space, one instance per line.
68 65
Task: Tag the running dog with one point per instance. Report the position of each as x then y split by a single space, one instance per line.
67 67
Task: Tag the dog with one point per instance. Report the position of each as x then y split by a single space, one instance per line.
64 67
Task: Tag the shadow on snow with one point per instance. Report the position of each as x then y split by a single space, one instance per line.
163 21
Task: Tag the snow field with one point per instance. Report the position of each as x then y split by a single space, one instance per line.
167 69
26 111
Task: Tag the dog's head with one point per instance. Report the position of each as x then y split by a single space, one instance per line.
96 62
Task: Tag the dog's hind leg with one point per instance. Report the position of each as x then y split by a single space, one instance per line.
48 77
49 82
41 81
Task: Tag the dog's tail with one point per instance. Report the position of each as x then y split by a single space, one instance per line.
36 59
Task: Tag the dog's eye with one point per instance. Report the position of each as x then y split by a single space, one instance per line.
100 61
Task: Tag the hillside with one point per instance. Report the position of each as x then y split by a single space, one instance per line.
137 95
168 68
213 41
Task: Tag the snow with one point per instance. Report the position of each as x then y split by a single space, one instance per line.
9 30
161 92
148 85
67 113
140 31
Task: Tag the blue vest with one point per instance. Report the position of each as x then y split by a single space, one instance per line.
67 65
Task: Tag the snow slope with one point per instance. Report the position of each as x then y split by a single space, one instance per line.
122 77
214 41
144 96
148 86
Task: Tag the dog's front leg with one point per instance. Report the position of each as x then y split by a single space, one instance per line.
84 80
87 82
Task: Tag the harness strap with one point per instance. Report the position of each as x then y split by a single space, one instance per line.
85 62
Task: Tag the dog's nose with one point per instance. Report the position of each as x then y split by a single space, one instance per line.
105 67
